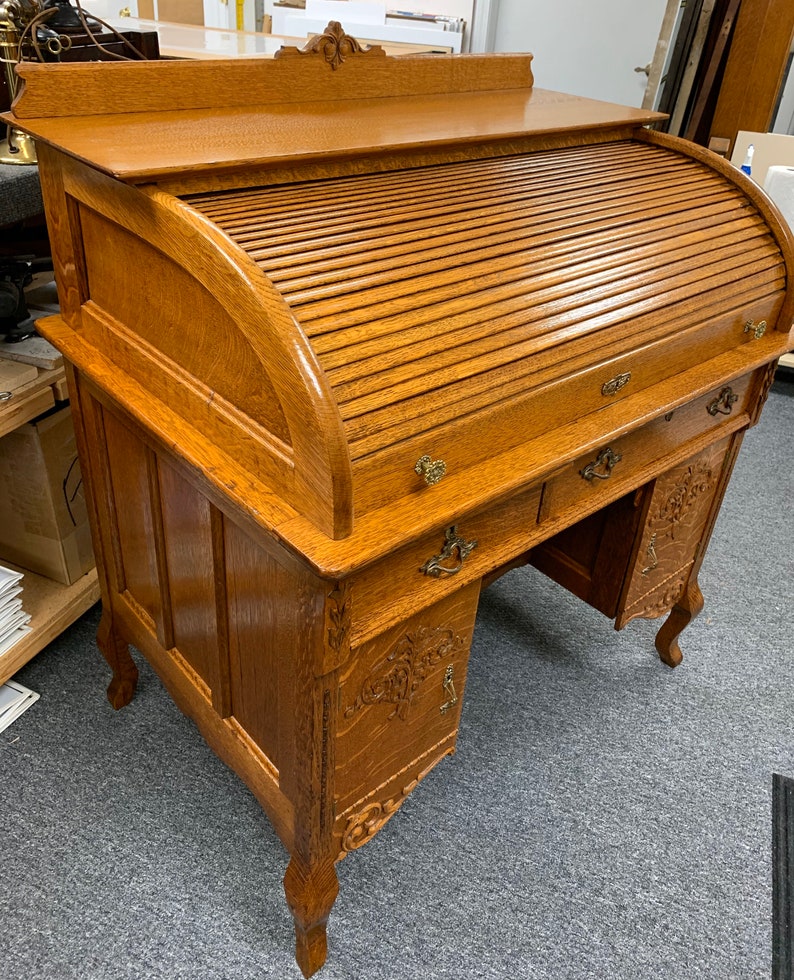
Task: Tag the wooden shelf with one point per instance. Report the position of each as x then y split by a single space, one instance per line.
52 607
32 399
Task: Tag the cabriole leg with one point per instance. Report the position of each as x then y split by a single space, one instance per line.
311 893
116 651
681 615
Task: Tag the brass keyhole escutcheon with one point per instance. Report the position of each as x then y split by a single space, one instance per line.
431 469
756 329
653 558
614 385
449 690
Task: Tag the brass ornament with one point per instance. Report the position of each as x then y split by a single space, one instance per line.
455 550
723 403
602 466
449 689
614 385
431 469
653 558
756 329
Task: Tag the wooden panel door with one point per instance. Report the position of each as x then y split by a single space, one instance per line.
681 507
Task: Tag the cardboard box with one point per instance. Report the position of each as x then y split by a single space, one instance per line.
43 519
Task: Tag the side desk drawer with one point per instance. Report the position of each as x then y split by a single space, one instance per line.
593 480
400 696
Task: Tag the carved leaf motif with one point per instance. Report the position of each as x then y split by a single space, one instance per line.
697 480
396 679
766 377
339 617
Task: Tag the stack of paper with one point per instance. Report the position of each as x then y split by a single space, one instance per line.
14 699
13 619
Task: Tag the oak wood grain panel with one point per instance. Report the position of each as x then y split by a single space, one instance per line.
364 818
63 221
590 558
271 609
258 136
187 525
385 592
133 519
320 480
157 86
165 307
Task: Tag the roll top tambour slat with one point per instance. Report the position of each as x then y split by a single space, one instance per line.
434 294
590 161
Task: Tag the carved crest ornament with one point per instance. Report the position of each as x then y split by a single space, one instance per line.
334 45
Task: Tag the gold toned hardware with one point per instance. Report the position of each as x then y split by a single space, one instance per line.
449 688
756 329
605 462
431 469
652 556
125 12
613 386
452 544
723 403
6 396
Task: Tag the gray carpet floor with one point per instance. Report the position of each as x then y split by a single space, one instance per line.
604 817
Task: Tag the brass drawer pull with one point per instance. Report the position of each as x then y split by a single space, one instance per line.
602 466
449 689
756 329
723 403
453 544
613 386
431 469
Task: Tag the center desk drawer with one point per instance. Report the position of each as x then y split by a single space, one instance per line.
628 461
434 566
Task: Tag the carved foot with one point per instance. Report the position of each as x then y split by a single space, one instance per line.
681 615
117 653
310 896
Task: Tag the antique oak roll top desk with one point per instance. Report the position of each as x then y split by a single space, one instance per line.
349 336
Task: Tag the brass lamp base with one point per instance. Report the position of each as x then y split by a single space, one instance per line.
18 148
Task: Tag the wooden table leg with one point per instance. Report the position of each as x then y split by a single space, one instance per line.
116 651
681 615
311 893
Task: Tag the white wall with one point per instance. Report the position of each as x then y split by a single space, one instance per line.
584 47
